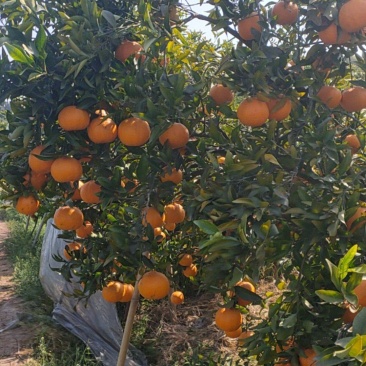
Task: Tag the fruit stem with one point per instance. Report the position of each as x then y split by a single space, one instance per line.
129 323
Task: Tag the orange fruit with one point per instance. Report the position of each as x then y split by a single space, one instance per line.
361 211
221 159
70 248
354 99
66 169
228 319
246 25
309 360
113 291
150 215
102 130
154 285
68 218
323 64
84 230
246 334
279 109
352 16
174 213
176 136
248 286
36 164
170 227
27 205
190 271
185 260
72 118
89 191
127 49
127 293
76 194
285 12
331 35
159 234
353 142
38 180
177 297
234 333
349 314
253 112
134 131
360 292
221 94
175 176
330 96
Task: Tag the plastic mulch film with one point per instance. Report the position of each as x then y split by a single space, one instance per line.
96 322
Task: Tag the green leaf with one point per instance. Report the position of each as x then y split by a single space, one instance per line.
330 296
359 323
109 17
270 158
245 294
206 226
41 40
334 274
345 262
18 54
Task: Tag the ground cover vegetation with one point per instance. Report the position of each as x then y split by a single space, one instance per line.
180 160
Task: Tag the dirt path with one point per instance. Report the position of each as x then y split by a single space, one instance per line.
16 340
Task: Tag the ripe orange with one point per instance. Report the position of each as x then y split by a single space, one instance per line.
154 285
228 319
134 131
177 297
349 314
169 227
248 286
253 112
190 271
127 49
234 333
221 159
37 180
176 136
246 25
309 360
175 176
27 205
330 96
285 12
72 118
279 109
68 218
174 213
353 142
36 164
221 94
66 169
159 234
84 230
89 191
352 16
150 215
185 260
76 195
102 130
360 292
246 334
70 248
331 35
113 291
354 99
127 293
361 211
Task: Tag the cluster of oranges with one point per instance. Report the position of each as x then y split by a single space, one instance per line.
186 261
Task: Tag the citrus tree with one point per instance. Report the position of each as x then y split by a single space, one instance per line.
168 158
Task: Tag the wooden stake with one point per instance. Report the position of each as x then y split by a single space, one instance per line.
129 323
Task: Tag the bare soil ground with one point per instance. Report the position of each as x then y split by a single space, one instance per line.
15 337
